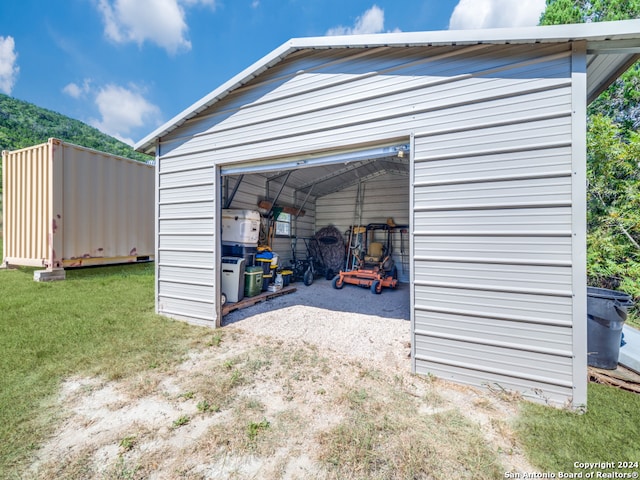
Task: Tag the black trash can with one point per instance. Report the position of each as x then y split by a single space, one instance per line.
606 314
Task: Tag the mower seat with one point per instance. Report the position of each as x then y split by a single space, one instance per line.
374 253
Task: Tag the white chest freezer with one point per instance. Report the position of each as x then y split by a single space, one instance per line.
240 227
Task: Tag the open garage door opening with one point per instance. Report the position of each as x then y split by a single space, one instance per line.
317 217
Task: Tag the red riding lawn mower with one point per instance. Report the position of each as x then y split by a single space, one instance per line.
374 269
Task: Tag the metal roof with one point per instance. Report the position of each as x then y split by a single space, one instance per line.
328 179
612 47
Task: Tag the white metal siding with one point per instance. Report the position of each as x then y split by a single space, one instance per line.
492 190
186 258
391 92
493 250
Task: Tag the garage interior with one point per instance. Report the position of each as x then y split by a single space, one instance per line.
344 189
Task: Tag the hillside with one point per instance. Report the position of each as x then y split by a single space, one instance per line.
23 124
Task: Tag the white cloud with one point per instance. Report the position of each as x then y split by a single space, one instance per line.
8 64
470 14
76 91
158 21
122 110
73 90
371 21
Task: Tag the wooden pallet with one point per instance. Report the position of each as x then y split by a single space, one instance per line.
621 377
261 297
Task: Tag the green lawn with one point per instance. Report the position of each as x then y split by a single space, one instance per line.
609 432
99 321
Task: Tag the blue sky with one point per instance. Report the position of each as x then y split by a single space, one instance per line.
128 66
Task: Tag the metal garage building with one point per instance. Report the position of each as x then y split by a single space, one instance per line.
480 134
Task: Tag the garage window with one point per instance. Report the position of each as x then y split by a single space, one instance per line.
283 224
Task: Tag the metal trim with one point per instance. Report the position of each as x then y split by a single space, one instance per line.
508 318
346 156
579 222
412 260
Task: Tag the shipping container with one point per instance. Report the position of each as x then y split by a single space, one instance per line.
70 206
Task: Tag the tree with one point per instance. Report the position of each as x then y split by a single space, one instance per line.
613 206
613 150
620 100
559 12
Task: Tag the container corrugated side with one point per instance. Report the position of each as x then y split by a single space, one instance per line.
108 214
67 205
26 199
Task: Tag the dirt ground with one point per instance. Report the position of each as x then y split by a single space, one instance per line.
314 384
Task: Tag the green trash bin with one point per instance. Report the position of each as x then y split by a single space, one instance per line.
252 281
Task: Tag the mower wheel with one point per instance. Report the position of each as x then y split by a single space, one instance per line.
338 282
308 278
376 287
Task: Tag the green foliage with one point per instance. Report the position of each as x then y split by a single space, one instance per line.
559 12
253 428
620 101
181 421
613 214
613 149
128 442
23 124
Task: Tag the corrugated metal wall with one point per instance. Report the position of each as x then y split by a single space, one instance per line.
493 249
385 196
186 266
107 207
27 196
300 105
67 205
493 193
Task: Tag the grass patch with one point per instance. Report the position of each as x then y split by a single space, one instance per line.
181 421
253 428
609 431
384 436
100 321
